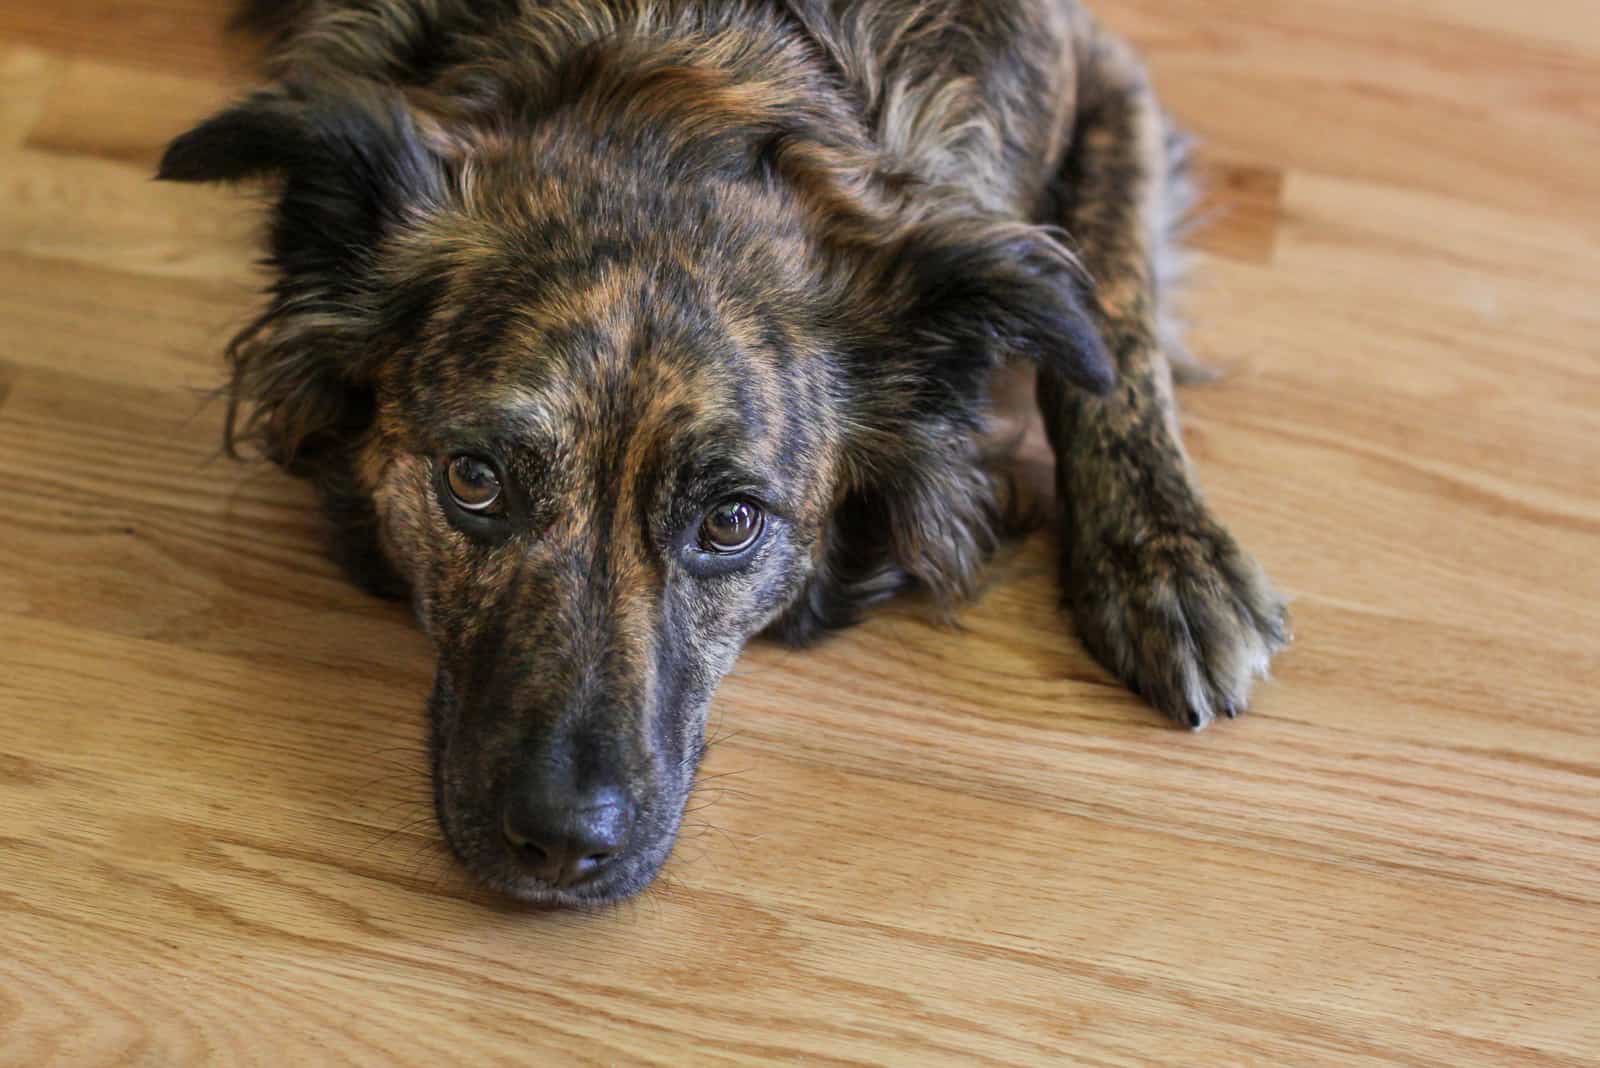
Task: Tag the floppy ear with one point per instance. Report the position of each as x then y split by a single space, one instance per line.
351 168
936 309
984 290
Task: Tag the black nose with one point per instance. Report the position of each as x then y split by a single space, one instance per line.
565 838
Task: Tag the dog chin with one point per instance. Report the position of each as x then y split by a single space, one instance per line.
507 881
539 896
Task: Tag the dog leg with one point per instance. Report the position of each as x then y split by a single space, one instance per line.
1161 593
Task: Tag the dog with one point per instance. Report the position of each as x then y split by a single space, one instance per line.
615 333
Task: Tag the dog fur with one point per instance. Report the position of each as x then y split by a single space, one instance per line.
644 256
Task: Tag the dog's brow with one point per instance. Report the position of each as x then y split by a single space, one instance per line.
524 410
719 467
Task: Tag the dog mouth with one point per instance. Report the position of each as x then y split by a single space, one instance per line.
603 850
506 882
494 863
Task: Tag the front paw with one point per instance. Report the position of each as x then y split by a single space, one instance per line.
1181 614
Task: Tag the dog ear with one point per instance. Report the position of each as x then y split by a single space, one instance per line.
350 155
921 271
937 307
351 167
984 291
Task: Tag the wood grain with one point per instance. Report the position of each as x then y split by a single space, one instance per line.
913 845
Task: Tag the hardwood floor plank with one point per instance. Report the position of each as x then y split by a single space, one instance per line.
293 856
87 114
113 216
116 328
1240 209
165 35
27 79
1389 93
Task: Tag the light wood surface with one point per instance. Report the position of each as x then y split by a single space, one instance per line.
913 845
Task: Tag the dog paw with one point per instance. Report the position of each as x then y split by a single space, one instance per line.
1183 616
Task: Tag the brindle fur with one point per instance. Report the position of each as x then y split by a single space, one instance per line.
650 254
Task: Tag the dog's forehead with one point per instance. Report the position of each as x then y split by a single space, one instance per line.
591 338
627 355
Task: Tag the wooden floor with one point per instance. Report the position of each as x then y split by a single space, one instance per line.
913 845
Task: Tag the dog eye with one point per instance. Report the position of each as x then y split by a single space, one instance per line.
732 527
475 485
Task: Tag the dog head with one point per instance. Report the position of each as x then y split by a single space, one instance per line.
609 390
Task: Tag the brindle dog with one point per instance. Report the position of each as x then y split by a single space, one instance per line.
616 332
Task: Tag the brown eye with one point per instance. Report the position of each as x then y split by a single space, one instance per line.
731 527
475 485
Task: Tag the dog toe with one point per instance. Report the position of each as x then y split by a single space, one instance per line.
1189 621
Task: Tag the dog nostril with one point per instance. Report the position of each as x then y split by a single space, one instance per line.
565 840
594 862
518 830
